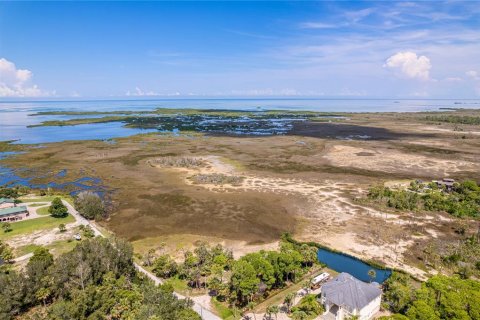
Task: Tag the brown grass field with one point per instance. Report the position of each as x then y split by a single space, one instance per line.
305 182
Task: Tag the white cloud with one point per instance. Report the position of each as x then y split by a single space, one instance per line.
473 74
16 82
410 65
453 79
316 25
356 16
141 93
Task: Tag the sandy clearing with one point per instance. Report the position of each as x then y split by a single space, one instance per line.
327 212
388 160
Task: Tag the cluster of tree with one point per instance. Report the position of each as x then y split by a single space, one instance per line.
461 257
441 297
242 281
96 280
57 209
454 119
6 253
90 205
7 226
12 193
307 308
462 201
203 267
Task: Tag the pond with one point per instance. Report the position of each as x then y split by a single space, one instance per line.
343 263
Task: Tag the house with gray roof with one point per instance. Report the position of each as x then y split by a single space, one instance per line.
345 296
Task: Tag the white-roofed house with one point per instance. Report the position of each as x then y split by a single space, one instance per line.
346 296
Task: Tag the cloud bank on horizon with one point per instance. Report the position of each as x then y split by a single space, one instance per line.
291 49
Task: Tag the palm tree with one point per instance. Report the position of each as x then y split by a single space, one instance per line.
250 307
288 301
273 309
372 274
306 286
299 315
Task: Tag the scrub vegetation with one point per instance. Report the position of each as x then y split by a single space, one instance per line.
238 283
441 297
462 201
308 181
96 280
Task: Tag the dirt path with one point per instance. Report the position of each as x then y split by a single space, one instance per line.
203 311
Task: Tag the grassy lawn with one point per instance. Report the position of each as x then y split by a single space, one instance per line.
29 226
182 287
23 250
43 211
278 297
56 248
222 311
37 204
59 247
47 199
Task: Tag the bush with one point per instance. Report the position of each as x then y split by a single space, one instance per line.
310 306
90 205
57 209
7 227
88 232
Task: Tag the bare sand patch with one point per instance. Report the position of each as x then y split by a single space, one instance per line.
393 161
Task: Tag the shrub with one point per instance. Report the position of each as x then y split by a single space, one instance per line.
57 209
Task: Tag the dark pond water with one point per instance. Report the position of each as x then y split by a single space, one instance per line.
342 263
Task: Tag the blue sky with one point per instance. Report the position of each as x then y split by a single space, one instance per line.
247 49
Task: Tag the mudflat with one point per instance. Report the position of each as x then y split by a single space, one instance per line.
249 189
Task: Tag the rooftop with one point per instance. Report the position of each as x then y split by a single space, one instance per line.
347 291
6 200
12 210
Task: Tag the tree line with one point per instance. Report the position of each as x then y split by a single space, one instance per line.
441 297
96 280
454 119
462 201
238 282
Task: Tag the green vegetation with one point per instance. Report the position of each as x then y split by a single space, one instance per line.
441 297
57 209
90 205
288 237
31 225
309 306
44 211
454 119
177 162
222 311
12 193
74 122
96 280
461 257
462 201
56 247
6 253
197 120
87 231
239 283
23 250
217 178
39 205
45 198
7 227
8 146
